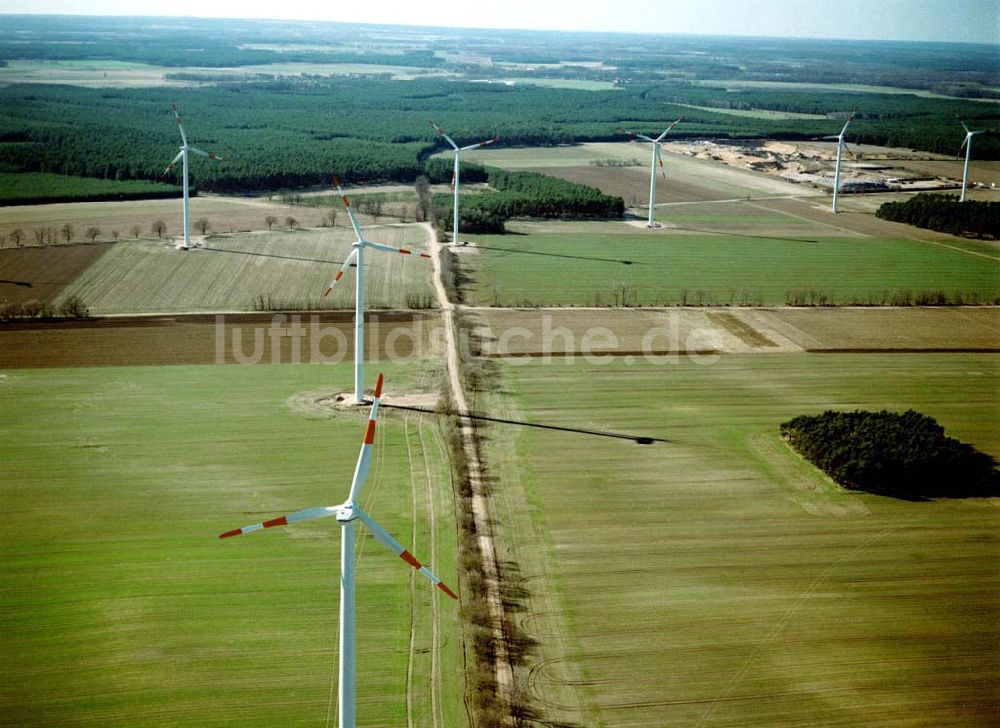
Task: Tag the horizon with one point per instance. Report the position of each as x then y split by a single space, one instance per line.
946 21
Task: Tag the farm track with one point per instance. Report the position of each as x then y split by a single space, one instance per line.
480 504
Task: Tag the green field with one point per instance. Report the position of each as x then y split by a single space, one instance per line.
120 605
33 188
578 84
234 272
756 113
579 269
722 581
825 87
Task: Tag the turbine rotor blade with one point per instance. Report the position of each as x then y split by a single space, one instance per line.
669 129
351 259
386 539
848 122
172 163
441 133
390 249
350 210
365 456
180 126
210 155
964 126
637 135
303 515
480 144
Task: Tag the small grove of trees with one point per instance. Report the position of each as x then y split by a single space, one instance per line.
202 224
92 233
67 232
946 214
523 194
371 207
902 455
159 227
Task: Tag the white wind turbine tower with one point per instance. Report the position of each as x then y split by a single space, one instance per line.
651 222
967 143
455 171
347 514
357 259
183 154
841 145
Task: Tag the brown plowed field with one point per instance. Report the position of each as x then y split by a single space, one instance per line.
41 273
213 339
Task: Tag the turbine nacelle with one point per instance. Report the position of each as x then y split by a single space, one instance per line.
346 514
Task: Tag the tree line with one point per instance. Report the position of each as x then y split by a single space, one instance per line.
283 133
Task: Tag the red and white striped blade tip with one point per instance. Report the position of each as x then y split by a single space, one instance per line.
378 386
280 521
444 587
327 291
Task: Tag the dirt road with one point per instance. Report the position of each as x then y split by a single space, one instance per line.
480 505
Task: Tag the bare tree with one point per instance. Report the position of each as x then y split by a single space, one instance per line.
331 215
67 231
39 234
291 222
134 231
74 307
270 220
201 224
159 227
114 235
423 188
92 233
17 235
376 209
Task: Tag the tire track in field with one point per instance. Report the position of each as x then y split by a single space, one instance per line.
435 603
726 693
801 218
413 546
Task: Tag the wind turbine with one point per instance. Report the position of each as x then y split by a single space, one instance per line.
183 155
347 514
841 145
652 168
967 143
357 258
455 170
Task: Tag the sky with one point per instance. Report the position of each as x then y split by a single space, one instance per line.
973 21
